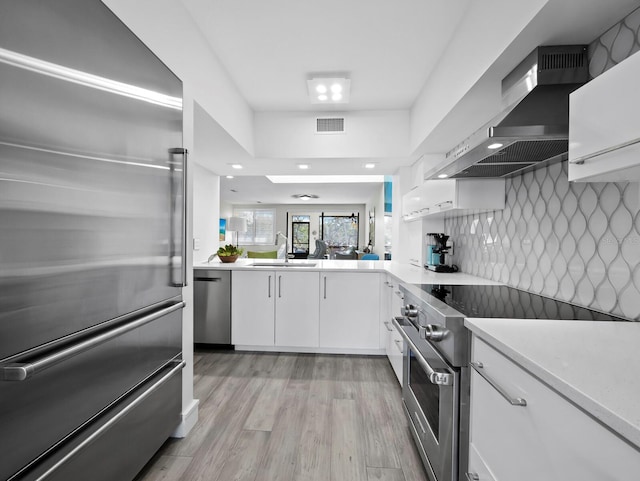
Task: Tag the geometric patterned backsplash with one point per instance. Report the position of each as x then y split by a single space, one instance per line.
577 242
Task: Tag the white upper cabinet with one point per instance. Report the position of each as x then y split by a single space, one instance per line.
604 126
453 197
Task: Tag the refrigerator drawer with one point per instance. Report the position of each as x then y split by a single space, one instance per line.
119 443
62 390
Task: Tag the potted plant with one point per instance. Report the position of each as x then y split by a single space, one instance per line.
229 253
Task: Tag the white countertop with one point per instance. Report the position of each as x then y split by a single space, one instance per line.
594 364
406 273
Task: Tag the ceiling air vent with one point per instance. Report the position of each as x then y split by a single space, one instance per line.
330 125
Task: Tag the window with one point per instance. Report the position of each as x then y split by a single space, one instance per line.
340 230
260 226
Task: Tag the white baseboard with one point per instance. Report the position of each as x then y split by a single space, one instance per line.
189 418
317 350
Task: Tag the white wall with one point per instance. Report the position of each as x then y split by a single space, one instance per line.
368 134
466 59
168 30
376 203
206 212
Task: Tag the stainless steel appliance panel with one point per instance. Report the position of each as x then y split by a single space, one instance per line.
118 443
68 386
431 395
212 307
91 192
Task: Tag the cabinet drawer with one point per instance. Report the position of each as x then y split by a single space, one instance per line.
548 438
477 470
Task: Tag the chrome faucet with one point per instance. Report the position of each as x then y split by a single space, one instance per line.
286 254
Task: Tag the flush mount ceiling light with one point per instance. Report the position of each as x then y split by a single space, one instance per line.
304 196
329 90
236 166
303 166
370 165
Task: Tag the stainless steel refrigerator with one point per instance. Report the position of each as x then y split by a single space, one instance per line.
92 218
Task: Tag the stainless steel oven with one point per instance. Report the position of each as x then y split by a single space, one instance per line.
436 374
431 396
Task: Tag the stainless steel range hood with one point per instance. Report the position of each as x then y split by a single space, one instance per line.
533 129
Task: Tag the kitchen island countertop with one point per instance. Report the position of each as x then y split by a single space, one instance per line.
591 363
406 273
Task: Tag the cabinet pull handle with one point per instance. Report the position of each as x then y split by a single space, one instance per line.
581 160
269 286
399 345
472 477
478 367
279 286
386 323
325 287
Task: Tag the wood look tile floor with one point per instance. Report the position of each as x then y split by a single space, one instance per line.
292 417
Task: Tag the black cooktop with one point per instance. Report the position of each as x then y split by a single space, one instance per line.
508 302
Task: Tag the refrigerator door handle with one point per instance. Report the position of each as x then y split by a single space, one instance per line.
22 371
179 365
182 282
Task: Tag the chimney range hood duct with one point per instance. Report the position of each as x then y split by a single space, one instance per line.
534 128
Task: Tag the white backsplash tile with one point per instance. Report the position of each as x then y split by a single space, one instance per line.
577 242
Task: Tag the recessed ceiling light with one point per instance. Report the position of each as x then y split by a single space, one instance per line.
303 166
336 88
336 97
322 97
229 176
369 165
443 176
321 88
497 145
236 166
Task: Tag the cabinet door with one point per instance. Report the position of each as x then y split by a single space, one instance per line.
350 310
604 127
253 308
297 309
549 438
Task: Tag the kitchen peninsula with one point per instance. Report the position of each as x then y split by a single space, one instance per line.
314 305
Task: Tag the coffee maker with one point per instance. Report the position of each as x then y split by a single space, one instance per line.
436 252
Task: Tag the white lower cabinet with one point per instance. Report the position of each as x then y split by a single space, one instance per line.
548 439
272 308
297 309
253 308
350 310
390 340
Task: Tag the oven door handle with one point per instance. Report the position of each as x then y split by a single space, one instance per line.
438 377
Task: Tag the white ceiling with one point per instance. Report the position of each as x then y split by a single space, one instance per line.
387 49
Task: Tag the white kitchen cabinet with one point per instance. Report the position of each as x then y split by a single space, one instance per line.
253 308
270 308
604 126
390 340
548 438
394 343
297 309
349 310
453 197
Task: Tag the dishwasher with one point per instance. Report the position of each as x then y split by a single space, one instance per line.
212 307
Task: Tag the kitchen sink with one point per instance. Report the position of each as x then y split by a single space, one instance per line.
283 264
